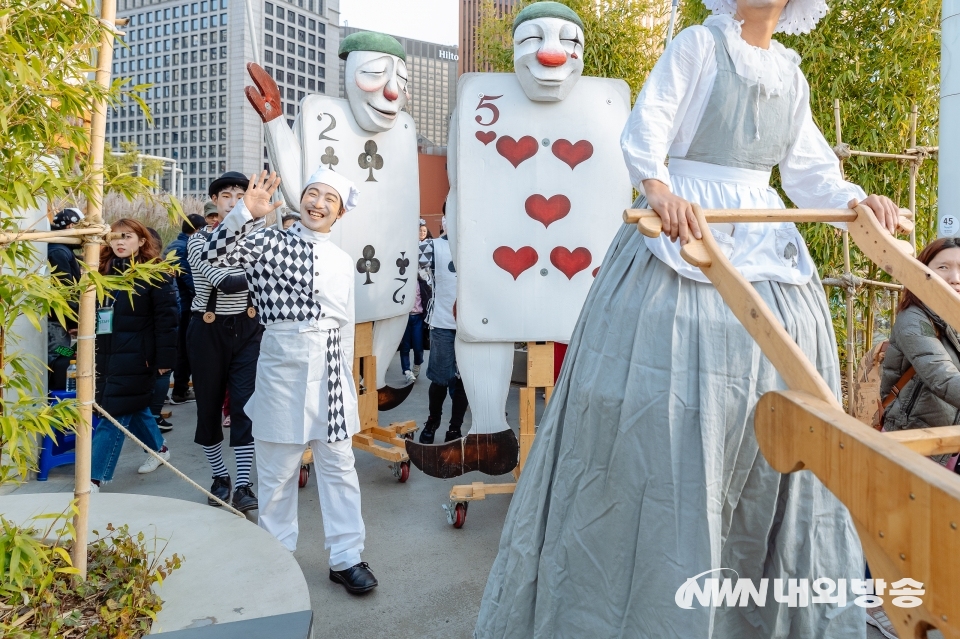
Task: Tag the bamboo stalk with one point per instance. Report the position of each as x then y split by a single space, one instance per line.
837 128
871 297
890 286
86 336
914 166
884 156
40 236
851 354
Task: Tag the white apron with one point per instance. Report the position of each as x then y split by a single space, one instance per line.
290 404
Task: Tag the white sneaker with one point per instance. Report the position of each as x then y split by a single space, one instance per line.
877 618
153 463
94 488
410 377
416 370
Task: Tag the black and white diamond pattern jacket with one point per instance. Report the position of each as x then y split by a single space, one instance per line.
278 265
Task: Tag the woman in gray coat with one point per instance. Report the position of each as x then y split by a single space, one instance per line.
923 341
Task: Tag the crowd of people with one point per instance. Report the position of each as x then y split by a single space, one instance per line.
262 321
202 329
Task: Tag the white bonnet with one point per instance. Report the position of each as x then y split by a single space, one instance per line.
798 17
344 187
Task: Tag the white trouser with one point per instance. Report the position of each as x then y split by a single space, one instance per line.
278 471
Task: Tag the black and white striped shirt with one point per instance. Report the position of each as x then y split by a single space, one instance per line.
206 277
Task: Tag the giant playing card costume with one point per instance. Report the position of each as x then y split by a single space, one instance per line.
536 181
371 141
646 471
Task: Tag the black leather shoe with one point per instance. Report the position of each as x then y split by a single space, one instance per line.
452 434
220 489
244 499
356 579
426 435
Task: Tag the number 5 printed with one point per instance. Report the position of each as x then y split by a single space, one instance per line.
485 101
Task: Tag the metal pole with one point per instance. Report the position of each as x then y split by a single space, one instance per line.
673 21
253 32
88 300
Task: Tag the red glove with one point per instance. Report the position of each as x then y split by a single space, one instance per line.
266 97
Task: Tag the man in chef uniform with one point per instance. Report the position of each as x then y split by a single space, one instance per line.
303 287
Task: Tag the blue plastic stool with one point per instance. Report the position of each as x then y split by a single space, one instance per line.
58 451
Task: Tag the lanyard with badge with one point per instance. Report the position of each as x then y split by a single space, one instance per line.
105 319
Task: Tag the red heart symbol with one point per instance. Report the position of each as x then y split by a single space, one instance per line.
516 151
573 154
570 263
486 136
547 211
595 271
515 262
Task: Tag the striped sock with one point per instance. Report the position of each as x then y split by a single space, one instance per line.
244 457
215 458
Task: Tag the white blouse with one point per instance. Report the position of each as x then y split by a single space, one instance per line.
668 111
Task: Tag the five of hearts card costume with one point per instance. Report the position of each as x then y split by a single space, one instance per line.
539 188
646 471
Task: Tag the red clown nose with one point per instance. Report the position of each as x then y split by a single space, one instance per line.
551 58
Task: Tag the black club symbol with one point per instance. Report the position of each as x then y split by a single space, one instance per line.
790 253
368 263
329 158
403 262
370 160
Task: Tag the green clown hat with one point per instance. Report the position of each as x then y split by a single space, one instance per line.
371 41
547 9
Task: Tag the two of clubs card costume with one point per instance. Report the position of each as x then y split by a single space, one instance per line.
369 139
537 189
646 477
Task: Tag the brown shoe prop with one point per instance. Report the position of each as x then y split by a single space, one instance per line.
389 397
491 454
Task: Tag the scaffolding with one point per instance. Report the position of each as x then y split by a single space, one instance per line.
850 282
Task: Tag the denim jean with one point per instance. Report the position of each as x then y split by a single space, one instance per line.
160 390
412 338
108 440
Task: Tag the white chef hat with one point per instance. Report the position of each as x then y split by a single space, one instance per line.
798 17
344 187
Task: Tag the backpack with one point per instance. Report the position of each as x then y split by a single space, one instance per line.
865 400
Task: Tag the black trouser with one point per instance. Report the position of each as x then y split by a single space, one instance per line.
181 372
436 394
223 355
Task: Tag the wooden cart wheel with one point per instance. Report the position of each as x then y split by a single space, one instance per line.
460 515
304 475
404 472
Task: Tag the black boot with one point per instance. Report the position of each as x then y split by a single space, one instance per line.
429 430
459 411
220 489
356 579
244 498
436 394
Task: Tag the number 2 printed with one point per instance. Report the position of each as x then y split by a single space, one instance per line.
486 103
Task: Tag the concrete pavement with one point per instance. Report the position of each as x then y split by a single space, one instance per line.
431 575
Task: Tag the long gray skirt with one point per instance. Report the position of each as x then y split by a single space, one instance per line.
646 472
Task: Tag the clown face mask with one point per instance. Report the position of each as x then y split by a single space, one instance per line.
376 86
548 58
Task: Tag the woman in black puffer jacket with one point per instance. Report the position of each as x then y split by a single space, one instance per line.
923 358
136 341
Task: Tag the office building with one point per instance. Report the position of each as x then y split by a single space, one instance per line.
432 85
193 57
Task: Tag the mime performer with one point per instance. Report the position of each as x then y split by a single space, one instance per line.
303 286
646 471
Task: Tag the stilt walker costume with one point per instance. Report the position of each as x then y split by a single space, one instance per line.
303 287
646 470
